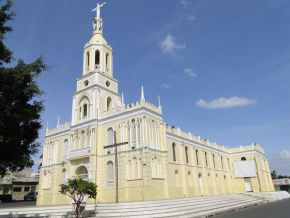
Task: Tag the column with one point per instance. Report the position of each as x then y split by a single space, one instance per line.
136 133
158 138
142 133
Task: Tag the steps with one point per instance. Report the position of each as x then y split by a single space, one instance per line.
184 207
187 207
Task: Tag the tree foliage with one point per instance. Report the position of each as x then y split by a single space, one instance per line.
20 106
274 175
77 189
5 16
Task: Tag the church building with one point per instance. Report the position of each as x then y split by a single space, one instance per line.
158 161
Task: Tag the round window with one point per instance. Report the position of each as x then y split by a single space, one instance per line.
86 82
107 83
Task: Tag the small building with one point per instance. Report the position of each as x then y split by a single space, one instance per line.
19 184
282 184
6 184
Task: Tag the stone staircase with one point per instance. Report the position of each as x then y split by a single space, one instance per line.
184 207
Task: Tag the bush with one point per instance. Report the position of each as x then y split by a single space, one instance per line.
6 197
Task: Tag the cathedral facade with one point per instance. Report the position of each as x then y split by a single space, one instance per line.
158 162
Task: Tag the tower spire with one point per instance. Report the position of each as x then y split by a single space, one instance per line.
123 103
142 98
159 102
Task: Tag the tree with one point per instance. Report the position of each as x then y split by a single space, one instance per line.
20 106
274 174
77 189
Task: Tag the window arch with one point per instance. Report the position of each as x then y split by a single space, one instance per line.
107 61
133 134
64 175
173 151
109 103
243 159
110 173
97 59
189 178
186 154
83 139
83 106
88 58
110 139
85 110
82 172
65 147
134 168
110 136
176 178
229 165
196 154
205 156
139 168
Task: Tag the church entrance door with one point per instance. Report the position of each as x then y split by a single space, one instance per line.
248 185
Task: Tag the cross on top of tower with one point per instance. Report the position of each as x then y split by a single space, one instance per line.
98 23
97 9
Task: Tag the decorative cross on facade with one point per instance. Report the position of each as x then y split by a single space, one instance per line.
115 145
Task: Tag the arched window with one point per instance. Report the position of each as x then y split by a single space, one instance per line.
229 165
109 103
83 106
134 136
110 173
243 159
65 147
110 139
177 178
134 168
83 139
205 156
213 160
82 172
186 154
110 136
189 178
88 59
139 168
85 110
64 175
97 59
173 151
107 62
196 154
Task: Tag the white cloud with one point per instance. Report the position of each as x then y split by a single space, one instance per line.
168 45
191 18
190 72
225 102
280 162
285 154
166 86
185 2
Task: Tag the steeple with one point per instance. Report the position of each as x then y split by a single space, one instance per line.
97 52
142 98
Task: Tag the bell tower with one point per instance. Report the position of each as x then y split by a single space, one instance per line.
97 89
97 52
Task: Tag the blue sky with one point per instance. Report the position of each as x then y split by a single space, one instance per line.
221 68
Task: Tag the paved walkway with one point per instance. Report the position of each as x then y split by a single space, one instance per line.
278 209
